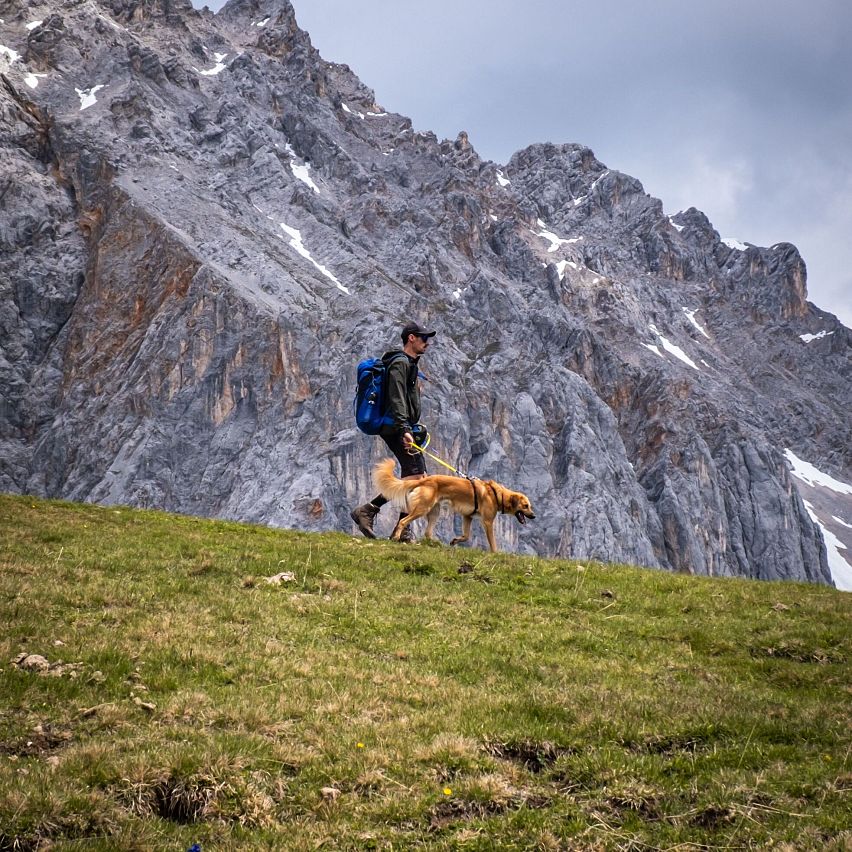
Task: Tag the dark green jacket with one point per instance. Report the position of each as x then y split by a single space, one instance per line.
402 395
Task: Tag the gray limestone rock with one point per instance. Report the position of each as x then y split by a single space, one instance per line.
205 226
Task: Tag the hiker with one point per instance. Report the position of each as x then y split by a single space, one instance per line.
402 407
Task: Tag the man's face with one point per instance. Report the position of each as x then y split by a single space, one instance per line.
418 344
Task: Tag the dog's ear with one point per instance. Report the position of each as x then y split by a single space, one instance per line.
510 501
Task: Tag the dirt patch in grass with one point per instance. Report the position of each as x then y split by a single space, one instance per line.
183 800
688 743
254 799
652 806
10 843
644 805
470 569
533 755
799 654
70 827
446 813
712 816
35 744
841 784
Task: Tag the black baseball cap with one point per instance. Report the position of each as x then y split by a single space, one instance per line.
414 328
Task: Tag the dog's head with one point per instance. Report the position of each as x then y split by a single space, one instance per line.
519 505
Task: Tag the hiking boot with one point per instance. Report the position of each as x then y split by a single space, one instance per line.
407 536
364 516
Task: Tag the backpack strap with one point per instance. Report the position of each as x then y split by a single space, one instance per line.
396 357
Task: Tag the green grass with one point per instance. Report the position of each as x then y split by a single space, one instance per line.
387 699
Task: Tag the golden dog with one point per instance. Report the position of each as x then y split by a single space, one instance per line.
467 497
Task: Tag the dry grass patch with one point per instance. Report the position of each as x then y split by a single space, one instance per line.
450 755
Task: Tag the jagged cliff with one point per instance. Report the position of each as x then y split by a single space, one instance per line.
205 225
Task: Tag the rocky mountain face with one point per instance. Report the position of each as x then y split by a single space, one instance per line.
204 226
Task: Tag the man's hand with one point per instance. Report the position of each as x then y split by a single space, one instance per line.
408 441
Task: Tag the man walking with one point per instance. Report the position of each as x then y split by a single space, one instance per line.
402 405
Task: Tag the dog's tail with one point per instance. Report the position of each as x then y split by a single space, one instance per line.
396 490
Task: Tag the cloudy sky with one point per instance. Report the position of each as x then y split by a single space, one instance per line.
741 108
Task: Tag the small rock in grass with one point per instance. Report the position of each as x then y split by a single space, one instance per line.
31 662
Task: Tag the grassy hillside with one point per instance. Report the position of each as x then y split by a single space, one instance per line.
396 697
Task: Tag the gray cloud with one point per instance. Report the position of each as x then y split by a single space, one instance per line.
742 108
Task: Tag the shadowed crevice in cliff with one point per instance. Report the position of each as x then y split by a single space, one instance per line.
42 268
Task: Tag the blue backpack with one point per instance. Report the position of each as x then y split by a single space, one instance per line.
370 395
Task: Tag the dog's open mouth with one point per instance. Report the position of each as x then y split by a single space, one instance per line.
522 518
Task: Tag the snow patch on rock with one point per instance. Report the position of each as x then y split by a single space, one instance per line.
841 570
690 315
303 174
672 348
811 475
218 67
809 337
296 243
87 96
555 242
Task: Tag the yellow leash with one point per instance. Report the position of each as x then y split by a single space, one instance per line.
439 460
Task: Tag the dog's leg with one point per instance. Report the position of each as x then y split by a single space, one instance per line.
431 519
402 523
488 524
466 521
